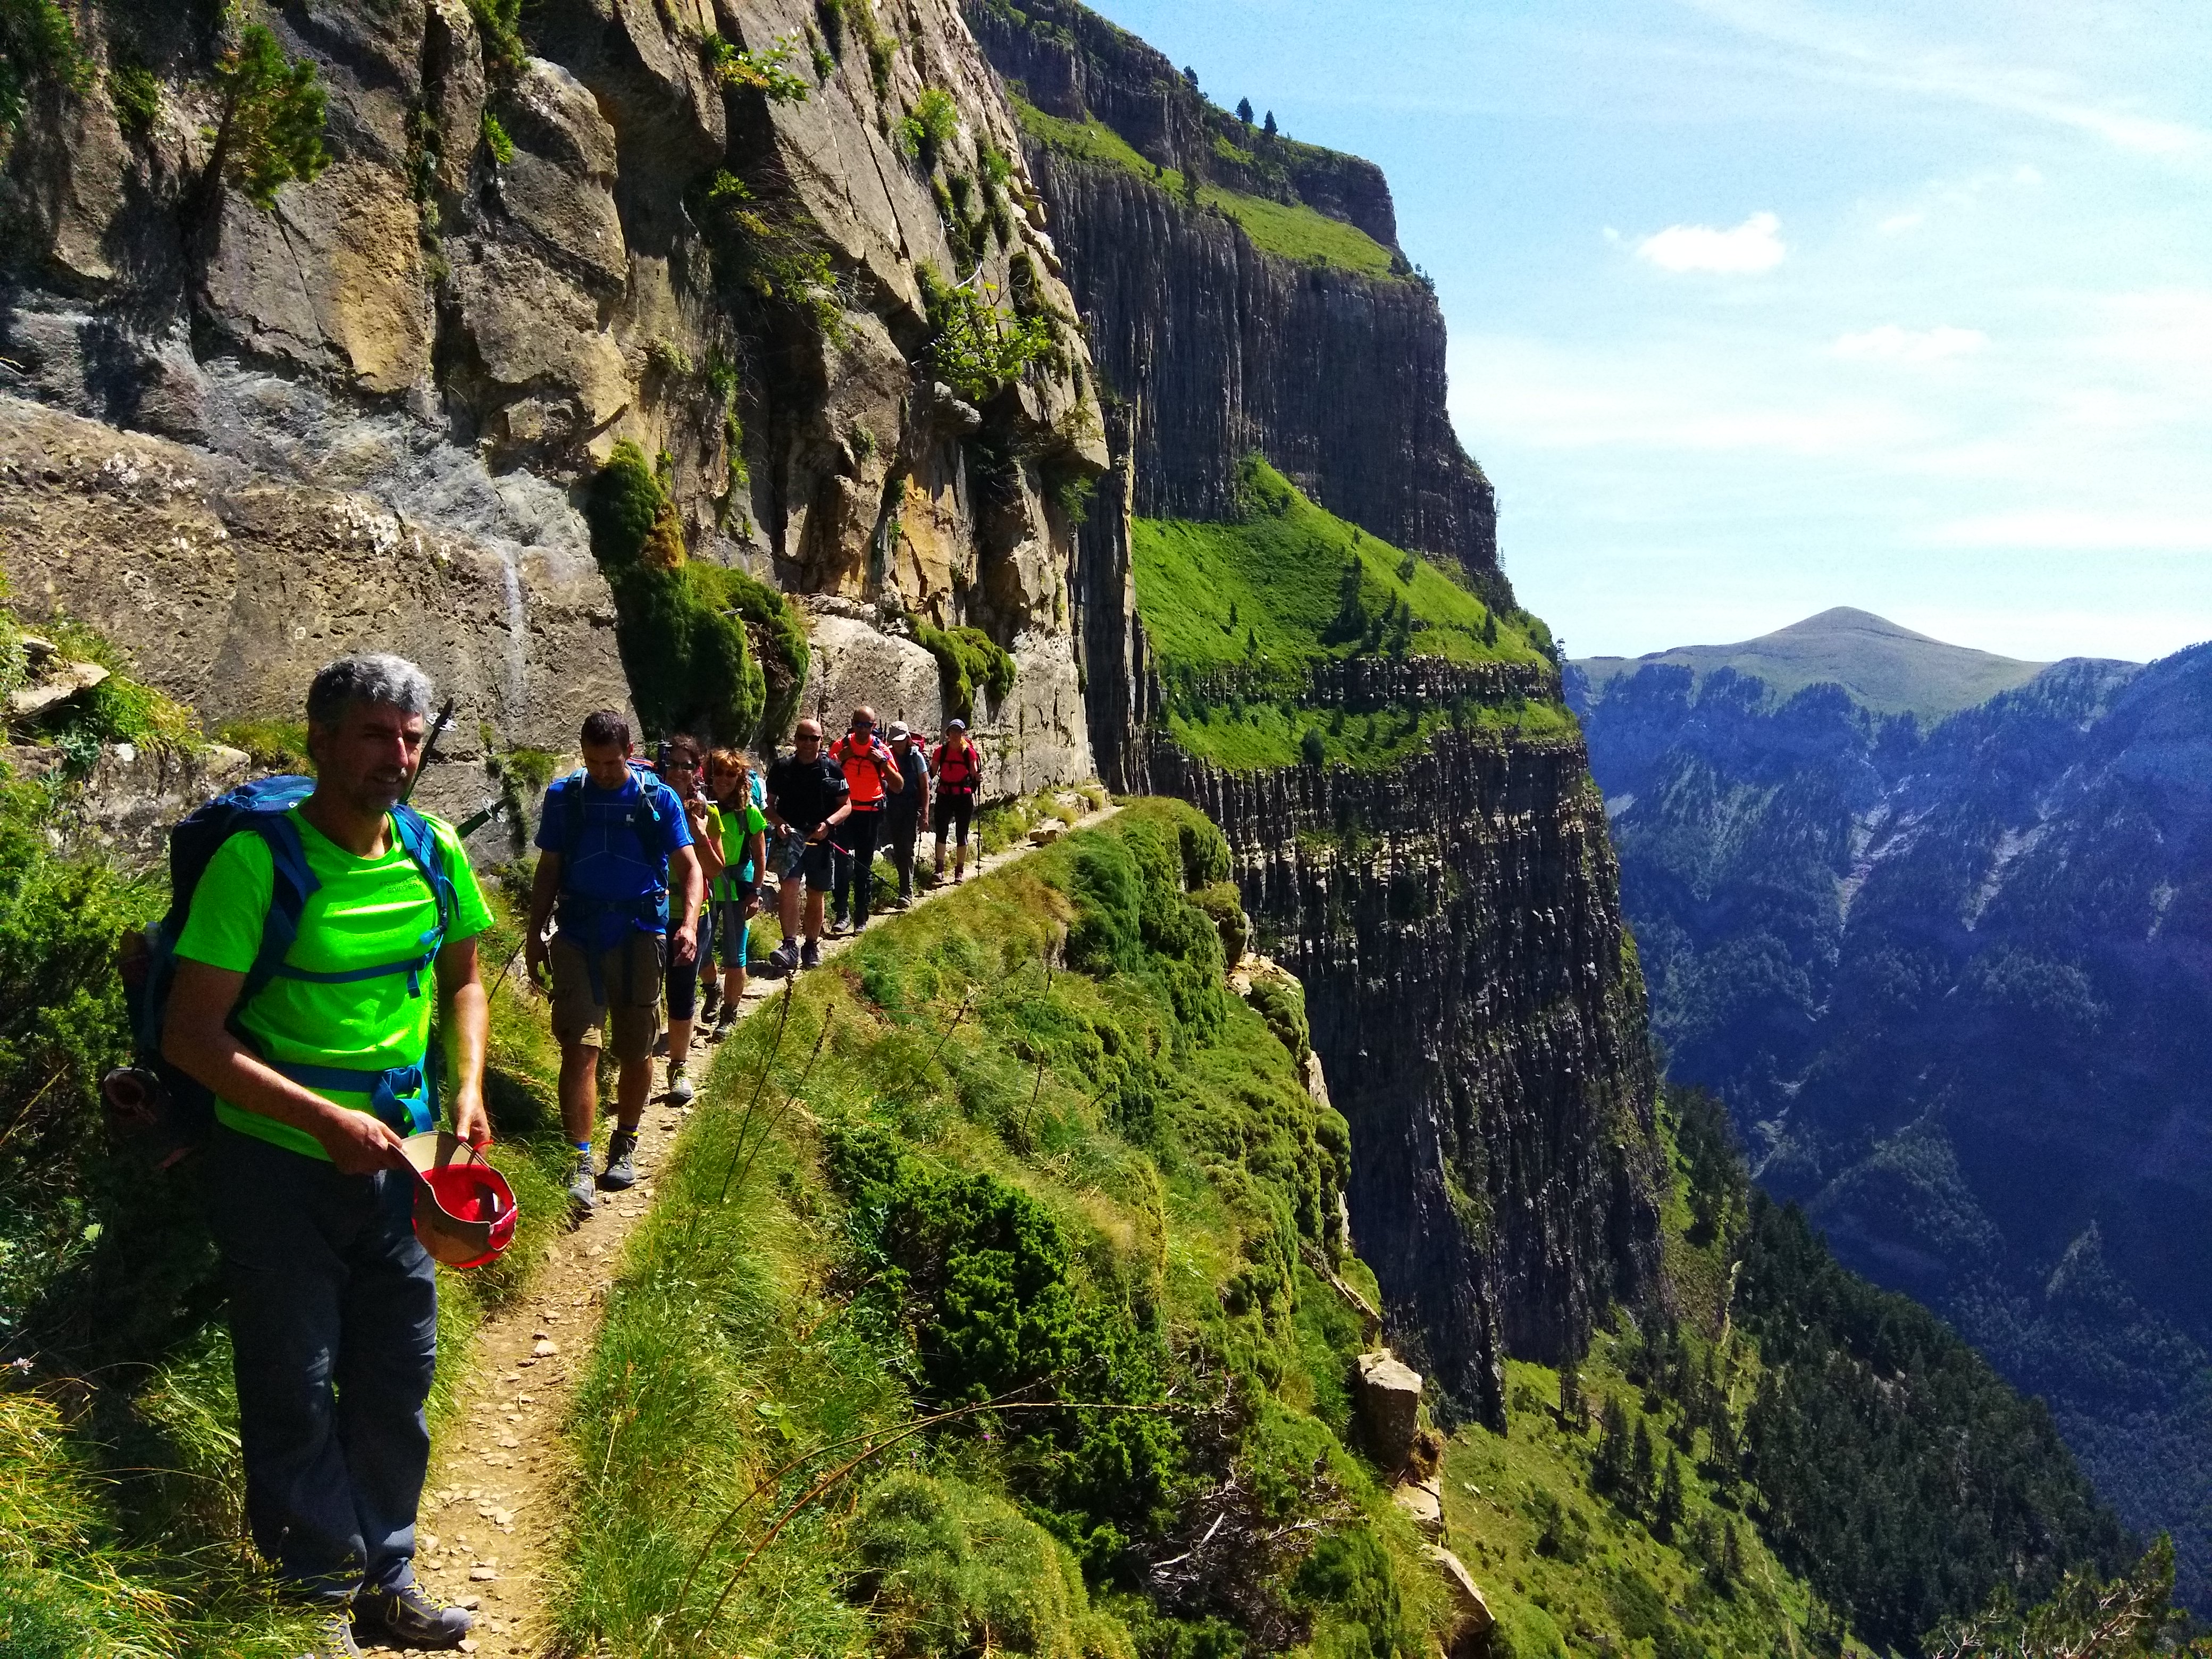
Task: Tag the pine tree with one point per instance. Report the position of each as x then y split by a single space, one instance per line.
1272 128
1731 1555
1609 1472
1572 1413
1489 627
1640 1469
1667 1514
1245 111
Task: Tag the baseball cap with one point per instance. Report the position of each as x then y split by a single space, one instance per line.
956 725
897 731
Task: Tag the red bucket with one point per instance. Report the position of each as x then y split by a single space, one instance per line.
465 1211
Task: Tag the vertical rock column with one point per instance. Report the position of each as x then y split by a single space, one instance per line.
1456 922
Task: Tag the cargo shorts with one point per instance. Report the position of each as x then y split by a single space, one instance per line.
631 976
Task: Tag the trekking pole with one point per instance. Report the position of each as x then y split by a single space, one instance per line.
430 748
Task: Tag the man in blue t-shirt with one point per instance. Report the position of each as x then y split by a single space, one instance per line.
614 845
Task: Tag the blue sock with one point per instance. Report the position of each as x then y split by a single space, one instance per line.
583 1148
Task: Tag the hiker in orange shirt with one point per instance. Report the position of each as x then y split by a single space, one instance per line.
872 777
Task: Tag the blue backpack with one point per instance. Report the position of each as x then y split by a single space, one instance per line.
262 808
584 913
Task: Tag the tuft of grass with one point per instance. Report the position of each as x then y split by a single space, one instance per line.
272 745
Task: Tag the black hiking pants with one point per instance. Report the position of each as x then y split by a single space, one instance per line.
899 835
856 866
333 1328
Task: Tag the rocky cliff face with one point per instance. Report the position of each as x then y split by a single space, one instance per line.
390 393
1455 918
1477 1006
1219 349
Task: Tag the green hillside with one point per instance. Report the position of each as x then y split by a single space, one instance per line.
1290 230
981 1288
1287 587
1891 670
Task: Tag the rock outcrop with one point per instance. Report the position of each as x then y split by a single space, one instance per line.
522 252
1220 349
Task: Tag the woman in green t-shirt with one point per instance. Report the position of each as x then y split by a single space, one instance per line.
735 787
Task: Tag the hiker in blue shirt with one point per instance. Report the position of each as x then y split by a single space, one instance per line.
614 849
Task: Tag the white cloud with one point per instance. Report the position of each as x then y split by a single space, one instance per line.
1753 246
1897 224
2062 530
1892 344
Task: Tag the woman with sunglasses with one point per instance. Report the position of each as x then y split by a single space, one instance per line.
735 787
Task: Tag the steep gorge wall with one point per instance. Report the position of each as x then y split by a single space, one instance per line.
1476 1001
394 391
1220 349
1455 918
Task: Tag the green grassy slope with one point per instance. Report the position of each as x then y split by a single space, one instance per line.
961 1173
1288 230
1289 587
1891 669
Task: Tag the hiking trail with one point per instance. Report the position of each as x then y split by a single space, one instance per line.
493 1507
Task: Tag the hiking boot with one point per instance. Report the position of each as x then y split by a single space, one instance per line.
726 1023
621 1172
811 955
785 957
837 924
680 1091
582 1192
406 1618
709 1002
334 1638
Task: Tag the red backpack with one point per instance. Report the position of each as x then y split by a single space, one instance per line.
958 774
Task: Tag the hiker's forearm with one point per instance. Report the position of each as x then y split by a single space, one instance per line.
468 1014
233 1072
694 888
544 890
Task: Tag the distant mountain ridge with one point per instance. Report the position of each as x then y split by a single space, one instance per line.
1955 985
1888 668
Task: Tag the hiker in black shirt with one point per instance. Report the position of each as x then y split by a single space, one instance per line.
807 802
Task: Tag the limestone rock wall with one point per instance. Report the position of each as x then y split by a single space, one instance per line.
512 262
1476 1002
1219 348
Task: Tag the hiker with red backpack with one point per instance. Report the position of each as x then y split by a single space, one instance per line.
615 859
314 928
958 766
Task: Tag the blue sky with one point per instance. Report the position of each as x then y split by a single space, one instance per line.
1758 307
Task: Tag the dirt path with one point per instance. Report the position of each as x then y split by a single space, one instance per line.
492 1512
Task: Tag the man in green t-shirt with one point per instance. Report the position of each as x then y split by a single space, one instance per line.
318 1077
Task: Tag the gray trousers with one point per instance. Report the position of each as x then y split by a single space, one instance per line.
334 1328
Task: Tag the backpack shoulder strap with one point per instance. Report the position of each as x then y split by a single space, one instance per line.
420 839
291 883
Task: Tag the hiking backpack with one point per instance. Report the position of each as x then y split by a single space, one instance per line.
262 807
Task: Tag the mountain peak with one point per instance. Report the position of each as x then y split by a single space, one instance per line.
1889 668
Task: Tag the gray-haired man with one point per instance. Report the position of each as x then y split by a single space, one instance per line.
318 1077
